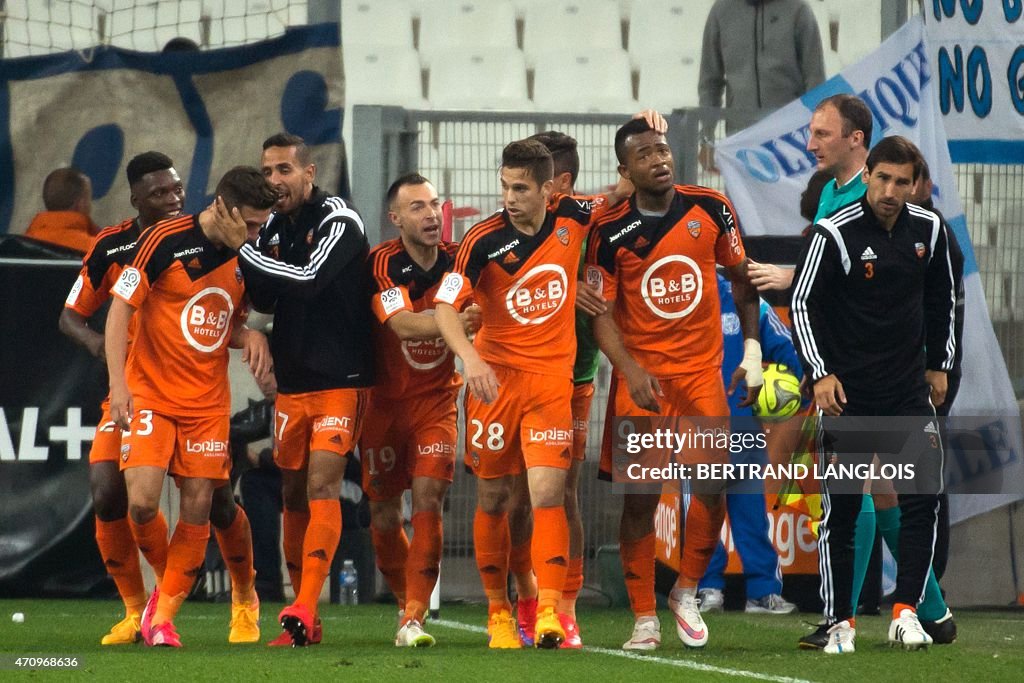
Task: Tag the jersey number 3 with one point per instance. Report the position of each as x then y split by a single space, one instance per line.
869 270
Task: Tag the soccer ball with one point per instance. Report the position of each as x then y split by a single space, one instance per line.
780 394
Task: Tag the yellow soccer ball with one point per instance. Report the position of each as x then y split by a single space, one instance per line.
780 394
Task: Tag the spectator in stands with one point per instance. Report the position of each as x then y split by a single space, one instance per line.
67 196
761 54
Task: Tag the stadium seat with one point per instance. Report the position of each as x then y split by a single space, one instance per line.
383 74
376 22
482 79
449 24
584 80
826 15
148 27
591 23
860 29
669 83
238 22
36 28
655 24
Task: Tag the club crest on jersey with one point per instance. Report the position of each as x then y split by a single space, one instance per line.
919 249
694 229
563 236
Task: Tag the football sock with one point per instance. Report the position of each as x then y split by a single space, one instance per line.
185 555
295 524
318 548
492 543
520 563
863 544
151 538
424 563
700 538
235 545
573 584
550 550
638 569
121 558
392 549
933 607
899 607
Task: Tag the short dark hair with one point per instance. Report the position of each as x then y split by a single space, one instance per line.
402 181
531 155
288 140
631 127
147 162
895 149
854 113
564 155
246 186
63 187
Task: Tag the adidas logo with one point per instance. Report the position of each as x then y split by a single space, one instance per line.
510 258
640 242
194 264
868 255
930 428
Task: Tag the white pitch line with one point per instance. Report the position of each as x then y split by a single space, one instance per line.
680 663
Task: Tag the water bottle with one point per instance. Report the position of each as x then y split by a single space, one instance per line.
349 583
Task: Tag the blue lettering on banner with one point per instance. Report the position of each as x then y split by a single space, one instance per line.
977 65
951 79
764 170
1015 76
971 9
1012 10
978 453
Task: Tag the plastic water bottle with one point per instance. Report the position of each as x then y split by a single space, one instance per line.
349 581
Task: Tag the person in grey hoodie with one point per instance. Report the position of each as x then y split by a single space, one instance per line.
761 54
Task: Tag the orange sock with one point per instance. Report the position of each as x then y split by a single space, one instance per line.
318 548
121 558
550 554
700 537
235 545
491 542
424 562
520 563
185 554
573 584
295 524
392 549
899 607
638 568
151 538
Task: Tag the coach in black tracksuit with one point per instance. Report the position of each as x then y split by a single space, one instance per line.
873 312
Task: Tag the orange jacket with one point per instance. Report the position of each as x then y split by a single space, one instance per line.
63 228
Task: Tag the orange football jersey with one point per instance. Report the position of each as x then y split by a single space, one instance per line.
412 367
112 250
188 296
660 272
525 285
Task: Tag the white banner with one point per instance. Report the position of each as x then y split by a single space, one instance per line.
766 167
977 50
207 110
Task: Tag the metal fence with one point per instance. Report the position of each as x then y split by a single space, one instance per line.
460 153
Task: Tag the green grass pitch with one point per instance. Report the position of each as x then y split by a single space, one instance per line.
358 647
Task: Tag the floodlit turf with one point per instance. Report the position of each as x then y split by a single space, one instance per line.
358 647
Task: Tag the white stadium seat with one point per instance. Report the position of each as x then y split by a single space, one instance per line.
664 27
485 79
584 80
669 83
376 22
382 74
593 24
453 24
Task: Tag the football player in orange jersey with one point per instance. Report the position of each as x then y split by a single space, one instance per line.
157 193
172 396
589 302
410 431
520 265
655 258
